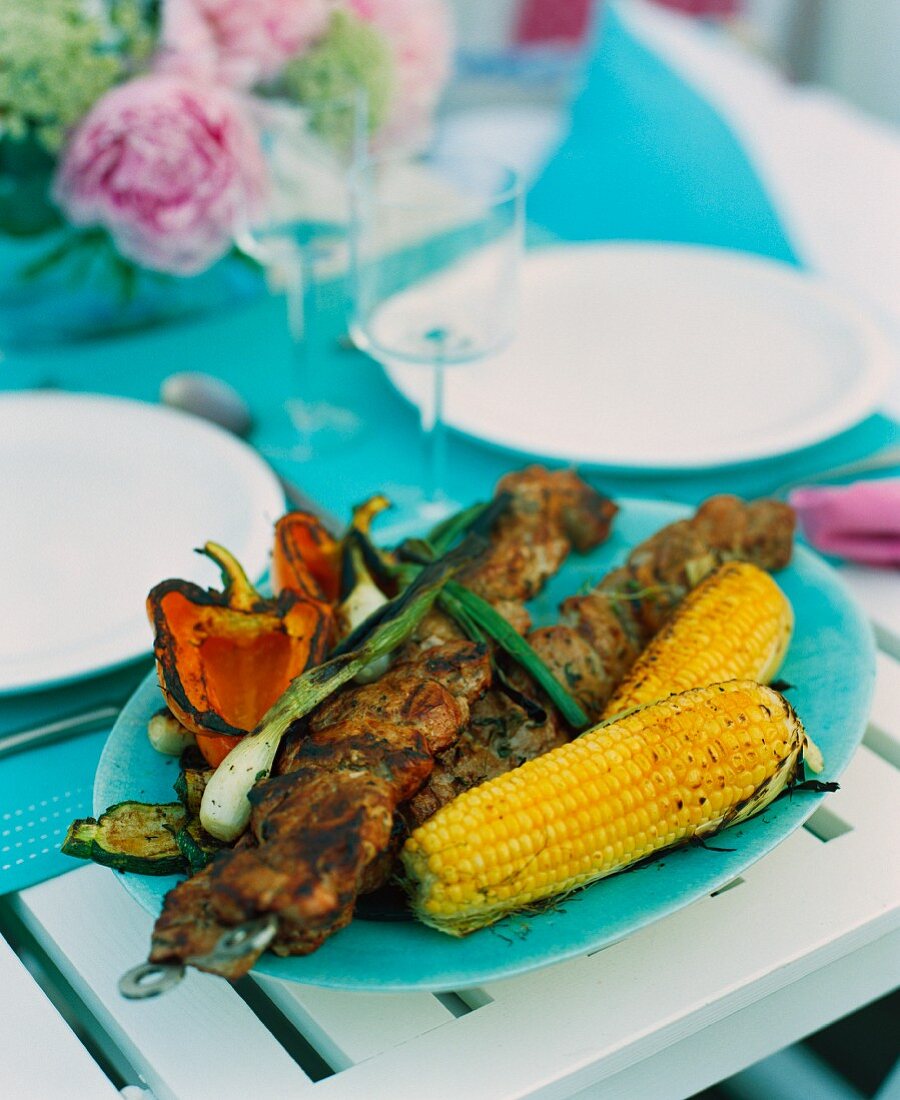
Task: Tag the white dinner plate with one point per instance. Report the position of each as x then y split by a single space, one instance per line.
101 498
667 357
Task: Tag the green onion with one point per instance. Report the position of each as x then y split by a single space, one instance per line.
492 623
477 519
314 686
457 611
441 569
452 607
443 535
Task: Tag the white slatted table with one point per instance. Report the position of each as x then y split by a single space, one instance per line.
808 934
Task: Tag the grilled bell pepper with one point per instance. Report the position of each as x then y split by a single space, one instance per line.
305 558
223 658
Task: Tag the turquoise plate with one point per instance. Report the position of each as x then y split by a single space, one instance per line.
832 665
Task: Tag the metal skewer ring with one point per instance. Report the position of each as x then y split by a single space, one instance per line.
149 980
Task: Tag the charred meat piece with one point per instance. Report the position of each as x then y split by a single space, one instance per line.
629 605
499 737
758 531
550 513
601 635
189 926
664 568
318 828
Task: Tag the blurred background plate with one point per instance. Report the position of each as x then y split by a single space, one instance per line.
668 357
102 498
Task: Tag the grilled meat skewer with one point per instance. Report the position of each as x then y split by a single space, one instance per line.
315 832
322 830
551 513
628 606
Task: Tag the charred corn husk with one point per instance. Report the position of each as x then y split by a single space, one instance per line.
735 625
682 768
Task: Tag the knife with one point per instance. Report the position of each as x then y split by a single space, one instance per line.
296 497
70 725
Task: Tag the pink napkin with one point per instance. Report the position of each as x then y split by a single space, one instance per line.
860 522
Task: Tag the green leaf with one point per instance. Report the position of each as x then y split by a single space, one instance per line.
240 255
26 209
51 259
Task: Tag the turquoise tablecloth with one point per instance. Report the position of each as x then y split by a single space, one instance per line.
645 157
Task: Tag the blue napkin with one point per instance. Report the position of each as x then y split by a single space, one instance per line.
645 156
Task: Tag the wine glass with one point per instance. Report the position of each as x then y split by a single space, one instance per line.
436 247
301 239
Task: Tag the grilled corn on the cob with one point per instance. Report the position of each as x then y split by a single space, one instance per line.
682 768
735 625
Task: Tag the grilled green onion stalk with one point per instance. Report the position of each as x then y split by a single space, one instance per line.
467 607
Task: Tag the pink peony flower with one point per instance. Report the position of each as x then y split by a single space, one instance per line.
420 33
169 166
239 42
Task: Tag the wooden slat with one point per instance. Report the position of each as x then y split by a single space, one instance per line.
878 593
42 1055
200 1040
883 735
744 1037
349 1028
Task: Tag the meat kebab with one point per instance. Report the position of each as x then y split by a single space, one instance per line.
321 831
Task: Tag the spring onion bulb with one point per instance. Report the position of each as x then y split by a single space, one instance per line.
167 735
363 599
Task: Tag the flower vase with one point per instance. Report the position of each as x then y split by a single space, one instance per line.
60 287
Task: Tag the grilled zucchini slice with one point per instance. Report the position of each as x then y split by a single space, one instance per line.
192 780
196 845
131 836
